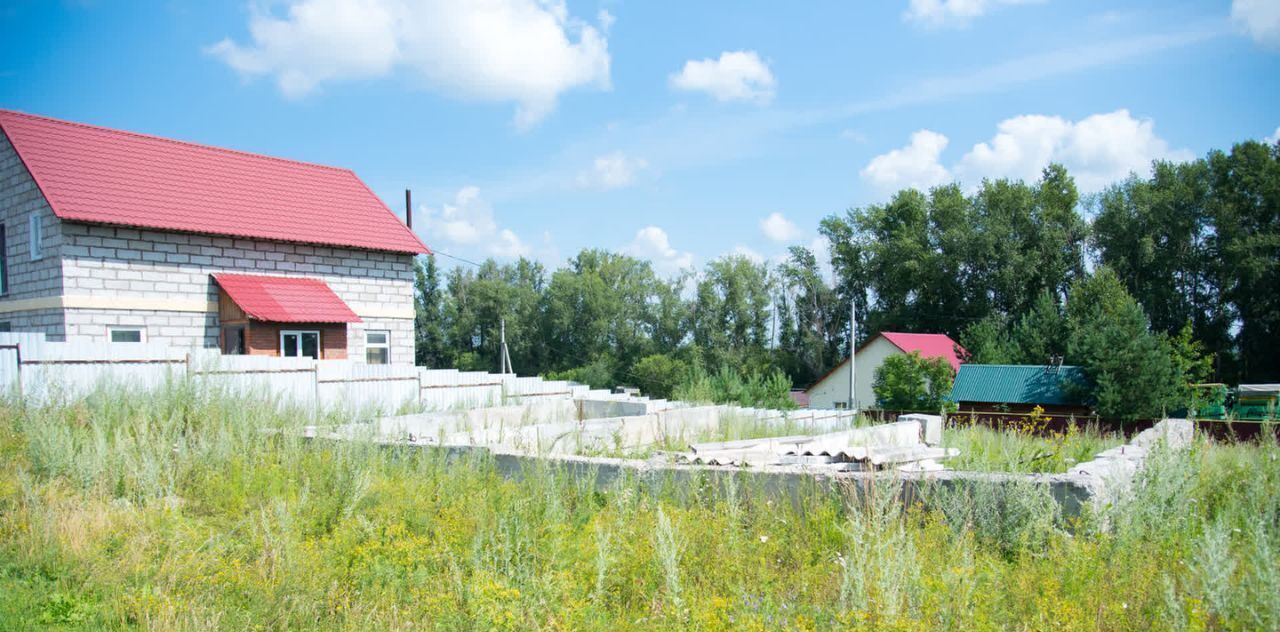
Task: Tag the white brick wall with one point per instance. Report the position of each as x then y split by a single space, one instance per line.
105 262
19 198
181 329
130 263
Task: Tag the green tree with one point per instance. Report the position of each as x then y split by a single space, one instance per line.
603 303
808 337
988 341
1190 361
428 314
1157 234
1042 333
731 311
1245 208
1131 370
941 261
907 381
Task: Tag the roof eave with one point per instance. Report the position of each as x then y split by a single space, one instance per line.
422 250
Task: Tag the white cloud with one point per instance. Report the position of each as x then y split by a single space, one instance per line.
916 165
653 244
612 171
1274 138
525 51
319 40
1096 150
939 13
1260 19
778 228
735 76
469 222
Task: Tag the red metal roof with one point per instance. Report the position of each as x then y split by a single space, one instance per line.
106 176
285 299
929 346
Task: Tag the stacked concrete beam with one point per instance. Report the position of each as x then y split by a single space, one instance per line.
1111 472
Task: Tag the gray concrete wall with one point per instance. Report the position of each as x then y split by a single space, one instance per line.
795 484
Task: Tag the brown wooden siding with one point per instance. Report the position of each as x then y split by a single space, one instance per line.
264 338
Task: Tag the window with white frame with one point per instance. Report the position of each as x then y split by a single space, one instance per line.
37 237
300 344
377 346
126 334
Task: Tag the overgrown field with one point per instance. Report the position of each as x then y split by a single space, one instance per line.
984 449
175 510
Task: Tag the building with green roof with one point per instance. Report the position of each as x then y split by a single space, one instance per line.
1019 388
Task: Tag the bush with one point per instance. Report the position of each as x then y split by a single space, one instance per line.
910 382
658 375
597 374
727 386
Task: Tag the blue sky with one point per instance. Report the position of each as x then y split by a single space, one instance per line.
675 131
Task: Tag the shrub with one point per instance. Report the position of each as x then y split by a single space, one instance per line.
910 382
658 375
728 386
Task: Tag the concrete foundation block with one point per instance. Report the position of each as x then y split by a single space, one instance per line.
931 424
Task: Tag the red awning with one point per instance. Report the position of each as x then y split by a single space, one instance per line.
285 299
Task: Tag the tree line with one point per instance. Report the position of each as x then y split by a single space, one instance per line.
1155 282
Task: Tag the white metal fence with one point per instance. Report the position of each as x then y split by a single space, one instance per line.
39 370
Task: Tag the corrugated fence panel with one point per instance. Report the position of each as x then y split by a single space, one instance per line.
10 372
43 369
50 370
450 389
386 388
287 380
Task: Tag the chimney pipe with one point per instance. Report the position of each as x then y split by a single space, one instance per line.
408 209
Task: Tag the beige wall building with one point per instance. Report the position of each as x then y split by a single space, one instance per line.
832 390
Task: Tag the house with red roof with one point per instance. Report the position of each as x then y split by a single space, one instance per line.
832 390
114 236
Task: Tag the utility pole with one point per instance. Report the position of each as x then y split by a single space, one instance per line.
853 368
504 357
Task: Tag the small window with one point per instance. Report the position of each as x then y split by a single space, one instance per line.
4 263
377 348
37 237
300 344
233 340
126 334
842 405
6 327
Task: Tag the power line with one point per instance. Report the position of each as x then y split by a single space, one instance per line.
455 258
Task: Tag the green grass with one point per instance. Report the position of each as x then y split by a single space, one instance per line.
175 511
984 449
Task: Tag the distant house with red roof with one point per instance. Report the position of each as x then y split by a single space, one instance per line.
832 390
114 236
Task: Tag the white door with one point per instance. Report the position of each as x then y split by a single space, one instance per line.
300 344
